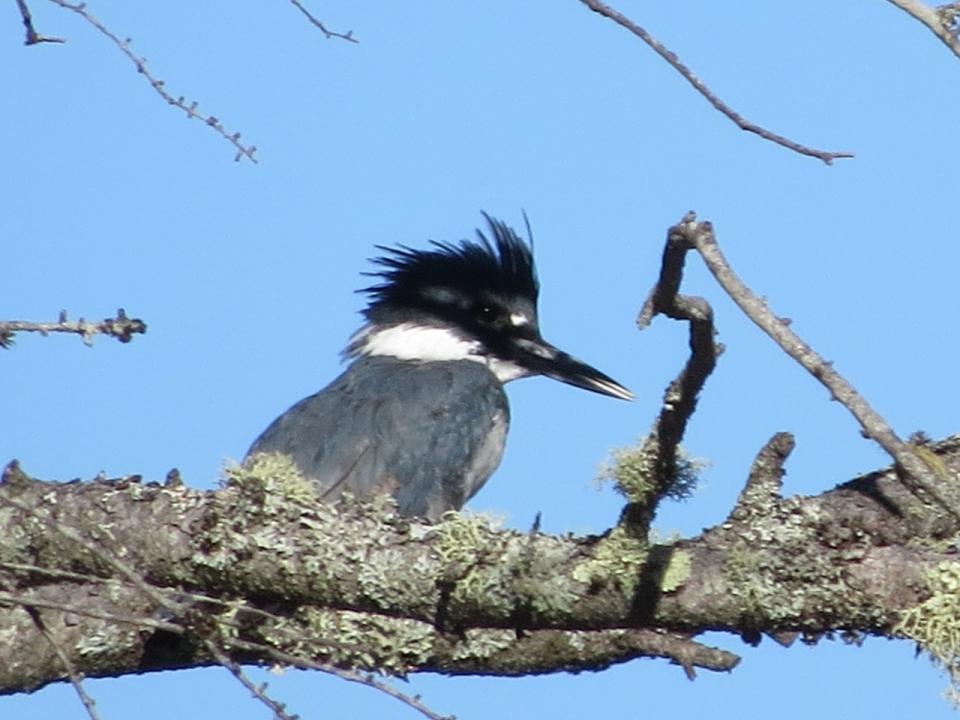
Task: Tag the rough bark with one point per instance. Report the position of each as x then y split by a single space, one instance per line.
270 575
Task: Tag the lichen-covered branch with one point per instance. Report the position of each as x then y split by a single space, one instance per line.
264 568
596 650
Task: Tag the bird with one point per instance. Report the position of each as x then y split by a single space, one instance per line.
420 412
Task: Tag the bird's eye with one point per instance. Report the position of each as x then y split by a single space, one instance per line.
488 313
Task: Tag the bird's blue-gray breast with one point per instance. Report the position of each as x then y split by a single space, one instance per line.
429 433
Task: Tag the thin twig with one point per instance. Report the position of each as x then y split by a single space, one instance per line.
349 675
914 471
675 62
941 21
33 37
190 108
285 658
145 622
412 700
348 36
259 692
76 679
121 327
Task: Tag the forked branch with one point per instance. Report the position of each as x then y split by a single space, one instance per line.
917 474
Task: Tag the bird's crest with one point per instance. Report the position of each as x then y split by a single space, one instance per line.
501 263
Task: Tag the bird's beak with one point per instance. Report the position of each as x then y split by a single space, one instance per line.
542 358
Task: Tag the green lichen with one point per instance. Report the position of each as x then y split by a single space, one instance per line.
616 560
472 556
360 640
633 472
103 641
776 569
935 623
676 572
270 476
497 572
741 568
480 644
933 461
268 513
530 574
464 538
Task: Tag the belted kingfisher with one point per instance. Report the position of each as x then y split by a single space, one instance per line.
420 413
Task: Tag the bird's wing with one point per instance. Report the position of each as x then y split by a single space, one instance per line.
427 433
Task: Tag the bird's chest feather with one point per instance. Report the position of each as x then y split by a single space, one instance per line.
488 454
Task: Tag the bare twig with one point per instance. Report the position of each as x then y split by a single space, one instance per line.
914 471
412 700
121 327
675 62
258 691
942 20
680 398
145 622
348 36
190 108
33 37
76 679
356 676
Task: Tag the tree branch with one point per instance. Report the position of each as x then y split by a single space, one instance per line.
348 36
916 472
190 108
211 636
656 471
121 327
941 21
278 709
32 36
675 62
356 587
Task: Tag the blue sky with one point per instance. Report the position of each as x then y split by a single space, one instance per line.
245 273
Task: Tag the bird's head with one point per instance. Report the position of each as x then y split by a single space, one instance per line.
472 300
